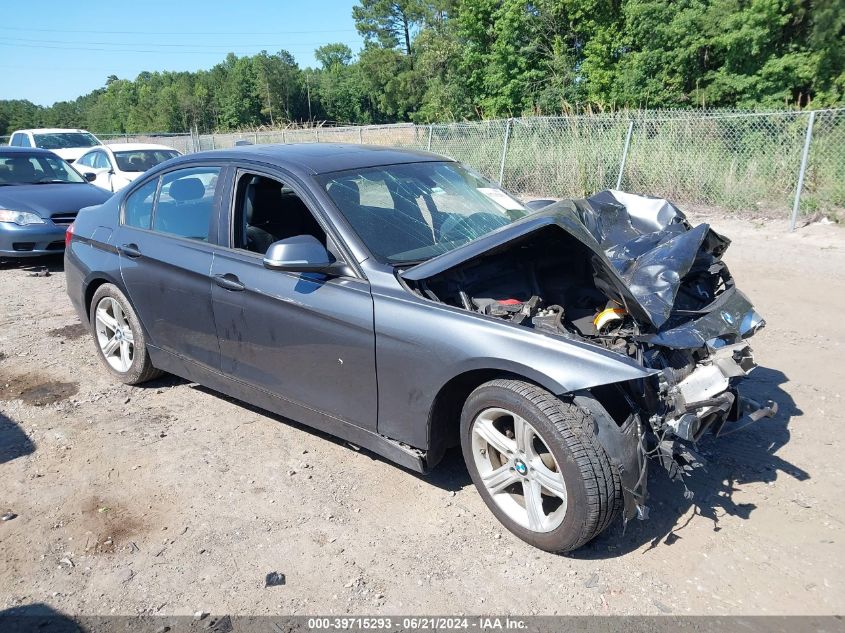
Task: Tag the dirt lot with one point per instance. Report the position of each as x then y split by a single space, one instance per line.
170 499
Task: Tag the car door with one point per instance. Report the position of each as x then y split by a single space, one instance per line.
306 338
84 163
164 240
103 168
97 163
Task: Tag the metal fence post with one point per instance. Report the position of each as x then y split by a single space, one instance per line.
430 131
317 134
213 144
801 173
624 154
255 137
507 138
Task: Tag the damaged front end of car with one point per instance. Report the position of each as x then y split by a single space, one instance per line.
628 274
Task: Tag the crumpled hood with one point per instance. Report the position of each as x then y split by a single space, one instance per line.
51 198
644 249
651 245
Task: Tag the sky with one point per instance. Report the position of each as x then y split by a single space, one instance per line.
56 51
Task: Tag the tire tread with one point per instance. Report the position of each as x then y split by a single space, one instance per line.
575 426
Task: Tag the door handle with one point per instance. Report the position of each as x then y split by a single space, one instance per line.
130 250
229 282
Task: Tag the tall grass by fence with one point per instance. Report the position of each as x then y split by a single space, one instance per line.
736 160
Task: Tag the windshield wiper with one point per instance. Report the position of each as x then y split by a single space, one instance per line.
53 181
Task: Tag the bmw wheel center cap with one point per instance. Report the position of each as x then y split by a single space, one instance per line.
520 467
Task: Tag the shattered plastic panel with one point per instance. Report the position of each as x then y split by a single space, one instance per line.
735 316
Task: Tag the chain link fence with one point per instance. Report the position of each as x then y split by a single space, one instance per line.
730 159
181 142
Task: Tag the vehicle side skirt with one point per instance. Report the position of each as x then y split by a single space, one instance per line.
401 454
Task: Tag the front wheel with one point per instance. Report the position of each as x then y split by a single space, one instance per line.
537 464
119 338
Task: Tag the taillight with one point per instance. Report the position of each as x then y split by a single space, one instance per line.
68 235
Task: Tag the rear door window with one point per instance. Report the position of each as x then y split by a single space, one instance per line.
101 161
21 140
185 202
138 210
179 203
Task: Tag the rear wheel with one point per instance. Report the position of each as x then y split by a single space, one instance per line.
537 464
119 338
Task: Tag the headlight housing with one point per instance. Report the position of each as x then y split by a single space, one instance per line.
21 218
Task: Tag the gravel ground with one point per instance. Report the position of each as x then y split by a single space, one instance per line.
170 499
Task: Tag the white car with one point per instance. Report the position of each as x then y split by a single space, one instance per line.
114 166
69 144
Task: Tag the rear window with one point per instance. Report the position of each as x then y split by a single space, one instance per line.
63 140
142 160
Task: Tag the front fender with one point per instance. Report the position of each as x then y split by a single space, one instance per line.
422 345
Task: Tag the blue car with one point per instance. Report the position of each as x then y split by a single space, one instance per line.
40 195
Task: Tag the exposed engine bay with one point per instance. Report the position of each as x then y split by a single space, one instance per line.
630 274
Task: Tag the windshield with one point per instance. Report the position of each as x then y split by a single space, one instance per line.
28 169
63 140
143 159
409 213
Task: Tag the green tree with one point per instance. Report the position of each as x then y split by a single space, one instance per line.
332 55
443 60
389 24
239 97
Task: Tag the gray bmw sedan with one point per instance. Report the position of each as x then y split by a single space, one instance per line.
403 302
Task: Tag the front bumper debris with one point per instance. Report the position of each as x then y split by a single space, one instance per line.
745 413
707 397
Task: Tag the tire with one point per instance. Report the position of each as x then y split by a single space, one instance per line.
139 367
577 490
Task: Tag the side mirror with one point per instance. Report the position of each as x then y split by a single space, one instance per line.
90 176
302 254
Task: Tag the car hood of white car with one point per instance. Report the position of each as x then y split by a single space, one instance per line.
70 154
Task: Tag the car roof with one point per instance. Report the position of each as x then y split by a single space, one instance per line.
11 149
51 130
122 147
320 158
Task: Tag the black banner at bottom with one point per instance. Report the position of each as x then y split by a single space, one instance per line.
24 620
